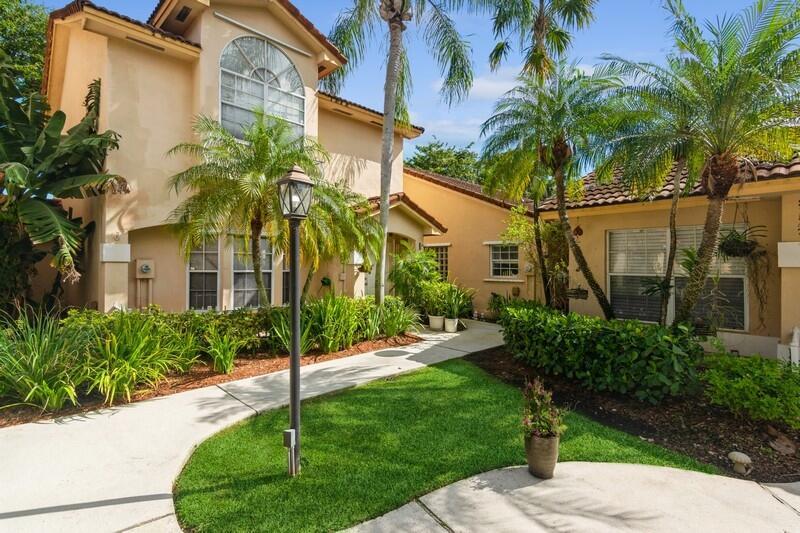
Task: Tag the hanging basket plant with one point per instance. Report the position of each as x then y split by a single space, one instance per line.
743 243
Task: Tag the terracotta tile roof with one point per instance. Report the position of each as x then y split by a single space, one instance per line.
462 186
350 103
294 12
615 192
401 197
77 6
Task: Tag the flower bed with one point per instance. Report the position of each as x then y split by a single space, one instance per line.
54 364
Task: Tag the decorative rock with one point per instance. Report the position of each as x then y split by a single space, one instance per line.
741 463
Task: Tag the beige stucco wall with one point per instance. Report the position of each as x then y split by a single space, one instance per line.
470 223
765 212
355 153
790 277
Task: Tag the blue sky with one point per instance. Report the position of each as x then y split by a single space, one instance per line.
635 29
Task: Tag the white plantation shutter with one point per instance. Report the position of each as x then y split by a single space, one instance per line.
634 257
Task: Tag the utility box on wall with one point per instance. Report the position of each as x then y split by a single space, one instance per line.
789 255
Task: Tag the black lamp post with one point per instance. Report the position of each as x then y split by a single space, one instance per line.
295 195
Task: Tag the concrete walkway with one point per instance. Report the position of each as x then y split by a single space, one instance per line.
113 470
596 497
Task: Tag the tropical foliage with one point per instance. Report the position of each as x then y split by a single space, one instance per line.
411 269
22 35
742 80
355 30
540 29
549 128
234 191
40 164
447 159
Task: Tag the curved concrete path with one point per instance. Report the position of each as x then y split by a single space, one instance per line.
113 470
596 497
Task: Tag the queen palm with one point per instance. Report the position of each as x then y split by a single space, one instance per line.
541 29
652 139
356 28
741 78
553 122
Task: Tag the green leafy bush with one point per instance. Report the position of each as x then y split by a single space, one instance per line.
397 317
433 297
623 356
411 270
457 301
40 364
282 331
762 389
131 349
223 348
540 416
334 322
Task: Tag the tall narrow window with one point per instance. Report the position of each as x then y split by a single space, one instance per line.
504 260
203 272
245 290
256 74
636 258
440 252
286 289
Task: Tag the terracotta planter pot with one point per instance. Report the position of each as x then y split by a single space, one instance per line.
436 323
542 454
451 325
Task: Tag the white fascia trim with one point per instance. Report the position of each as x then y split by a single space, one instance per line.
437 245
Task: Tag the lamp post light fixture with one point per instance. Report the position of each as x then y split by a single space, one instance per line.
295 194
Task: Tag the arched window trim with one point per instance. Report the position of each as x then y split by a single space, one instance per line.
300 94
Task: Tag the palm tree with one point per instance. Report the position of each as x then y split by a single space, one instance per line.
40 164
742 79
653 139
354 31
541 27
553 122
234 186
234 190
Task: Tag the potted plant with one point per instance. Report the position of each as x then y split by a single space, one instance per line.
433 300
542 426
743 243
457 303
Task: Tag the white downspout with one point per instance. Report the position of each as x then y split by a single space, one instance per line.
794 347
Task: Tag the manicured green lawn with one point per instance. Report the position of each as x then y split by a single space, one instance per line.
371 449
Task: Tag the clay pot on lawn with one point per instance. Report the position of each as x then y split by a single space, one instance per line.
542 454
451 325
436 323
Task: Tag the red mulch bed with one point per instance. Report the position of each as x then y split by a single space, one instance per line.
202 375
689 425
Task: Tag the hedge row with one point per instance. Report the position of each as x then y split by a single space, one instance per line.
623 356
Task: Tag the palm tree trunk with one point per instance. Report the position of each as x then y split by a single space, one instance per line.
708 247
387 147
307 284
673 240
580 259
256 226
537 238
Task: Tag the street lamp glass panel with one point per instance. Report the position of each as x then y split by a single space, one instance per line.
295 194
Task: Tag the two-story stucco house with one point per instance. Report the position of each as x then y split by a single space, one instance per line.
220 58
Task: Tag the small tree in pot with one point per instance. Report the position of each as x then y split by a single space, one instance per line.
542 425
433 302
457 303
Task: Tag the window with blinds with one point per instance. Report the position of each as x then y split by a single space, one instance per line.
637 258
256 74
245 290
203 272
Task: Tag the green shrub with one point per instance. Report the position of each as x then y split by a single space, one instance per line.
40 364
370 321
457 301
223 348
133 349
433 297
623 356
334 322
762 389
410 271
397 317
282 332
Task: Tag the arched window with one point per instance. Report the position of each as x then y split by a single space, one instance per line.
254 73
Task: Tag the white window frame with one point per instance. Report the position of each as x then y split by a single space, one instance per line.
218 272
279 46
435 249
491 245
675 274
234 271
